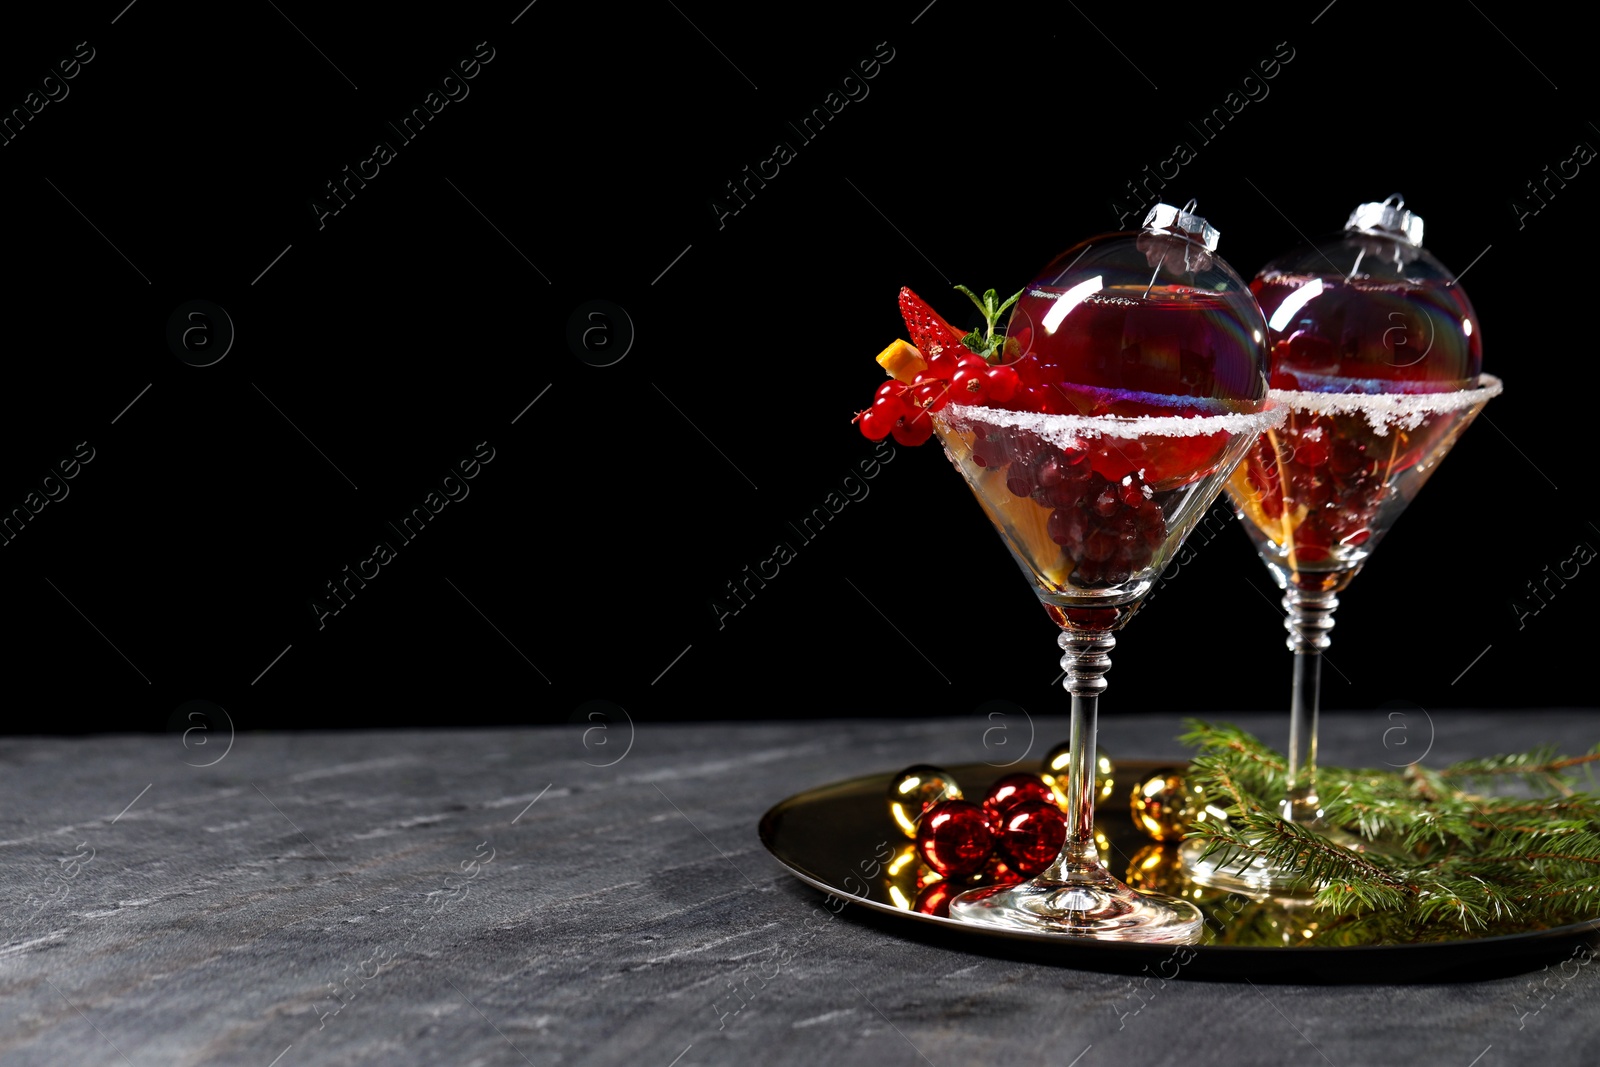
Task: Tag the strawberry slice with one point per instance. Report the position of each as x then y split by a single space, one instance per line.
929 332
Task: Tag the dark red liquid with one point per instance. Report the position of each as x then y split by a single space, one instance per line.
1122 351
1370 335
1325 487
1319 493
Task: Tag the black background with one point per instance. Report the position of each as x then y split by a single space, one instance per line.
425 317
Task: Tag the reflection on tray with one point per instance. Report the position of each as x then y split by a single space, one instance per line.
840 839
1231 918
897 876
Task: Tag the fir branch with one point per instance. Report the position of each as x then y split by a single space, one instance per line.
1439 862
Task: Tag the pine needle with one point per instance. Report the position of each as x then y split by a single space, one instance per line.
1441 861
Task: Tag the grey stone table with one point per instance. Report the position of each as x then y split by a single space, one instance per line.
596 894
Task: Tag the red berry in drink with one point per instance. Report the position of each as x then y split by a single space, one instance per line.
1347 457
989 449
1069 527
1107 502
1089 572
1024 448
1311 540
1100 546
1311 452
1060 495
1133 491
1115 458
1053 469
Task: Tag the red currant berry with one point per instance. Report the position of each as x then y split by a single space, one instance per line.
1068 527
989 448
913 429
1138 554
892 406
942 365
875 426
896 393
1052 470
1311 453
972 362
1024 448
1061 495
1100 546
1089 572
1311 541
969 387
933 395
1003 383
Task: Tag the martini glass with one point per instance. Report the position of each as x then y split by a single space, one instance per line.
1378 367
1145 360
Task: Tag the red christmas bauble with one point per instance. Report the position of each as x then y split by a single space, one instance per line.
935 900
956 837
998 872
1014 789
1030 836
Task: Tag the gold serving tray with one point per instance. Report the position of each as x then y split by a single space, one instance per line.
840 839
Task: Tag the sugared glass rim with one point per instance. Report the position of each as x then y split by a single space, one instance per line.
1405 410
1061 430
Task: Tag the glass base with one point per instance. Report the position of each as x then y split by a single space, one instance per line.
1093 905
1253 876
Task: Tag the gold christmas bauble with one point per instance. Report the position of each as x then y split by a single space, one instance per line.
1055 773
1157 869
905 875
1163 805
915 790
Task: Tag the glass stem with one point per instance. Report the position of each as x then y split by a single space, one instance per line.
1309 620
1086 660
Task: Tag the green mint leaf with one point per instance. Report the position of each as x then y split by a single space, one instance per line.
988 345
